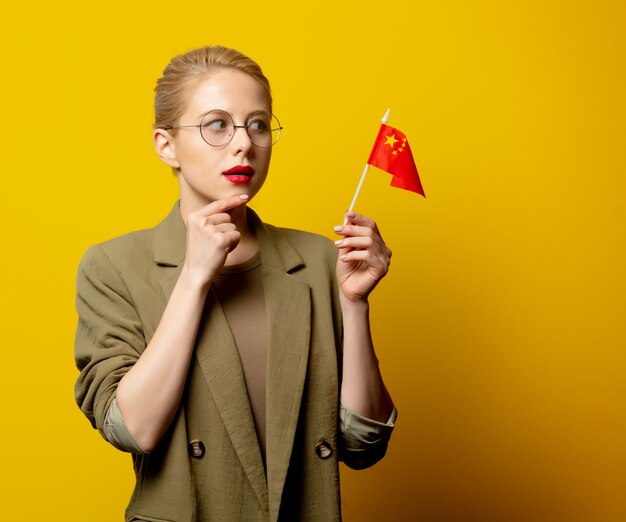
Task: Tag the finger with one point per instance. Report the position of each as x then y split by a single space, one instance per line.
355 230
369 258
226 239
365 256
223 228
363 244
223 205
234 237
356 243
359 219
198 221
218 235
218 219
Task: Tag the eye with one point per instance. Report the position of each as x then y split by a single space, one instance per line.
259 124
215 125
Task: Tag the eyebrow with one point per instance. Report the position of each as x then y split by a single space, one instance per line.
252 113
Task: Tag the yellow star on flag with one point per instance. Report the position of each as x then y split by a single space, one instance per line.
391 140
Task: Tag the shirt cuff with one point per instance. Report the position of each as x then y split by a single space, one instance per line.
116 431
360 432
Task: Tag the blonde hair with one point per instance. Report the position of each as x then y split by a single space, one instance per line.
186 70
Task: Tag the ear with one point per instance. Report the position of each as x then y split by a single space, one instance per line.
165 147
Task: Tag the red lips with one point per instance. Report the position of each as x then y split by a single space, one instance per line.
240 169
239 174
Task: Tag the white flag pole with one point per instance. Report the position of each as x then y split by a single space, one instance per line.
367 166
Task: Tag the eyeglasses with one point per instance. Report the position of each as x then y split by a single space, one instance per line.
217 128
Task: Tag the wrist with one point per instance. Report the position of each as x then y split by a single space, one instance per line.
195 283
354 305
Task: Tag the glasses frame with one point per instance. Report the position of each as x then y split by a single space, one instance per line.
235 127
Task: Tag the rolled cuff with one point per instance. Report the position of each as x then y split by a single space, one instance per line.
364 440
116 431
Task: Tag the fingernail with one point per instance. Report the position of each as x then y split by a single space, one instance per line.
351 214
338 242
338 228
244 196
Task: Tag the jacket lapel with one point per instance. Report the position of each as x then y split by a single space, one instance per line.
169 249
220 364
288 305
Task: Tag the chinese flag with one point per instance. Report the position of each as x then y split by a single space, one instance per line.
392 154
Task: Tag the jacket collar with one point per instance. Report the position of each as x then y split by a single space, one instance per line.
170 237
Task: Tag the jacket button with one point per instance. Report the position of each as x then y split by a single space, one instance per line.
323 449
196 448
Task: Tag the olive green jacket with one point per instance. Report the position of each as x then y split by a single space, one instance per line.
122 289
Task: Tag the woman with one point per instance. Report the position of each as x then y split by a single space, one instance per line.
214 346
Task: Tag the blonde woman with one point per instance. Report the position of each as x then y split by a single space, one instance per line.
233 359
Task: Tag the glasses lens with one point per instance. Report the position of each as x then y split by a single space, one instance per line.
217 128
263 129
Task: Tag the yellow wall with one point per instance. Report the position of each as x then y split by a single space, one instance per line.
501 328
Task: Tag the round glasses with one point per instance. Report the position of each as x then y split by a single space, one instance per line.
217 128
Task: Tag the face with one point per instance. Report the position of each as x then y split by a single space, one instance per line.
207 173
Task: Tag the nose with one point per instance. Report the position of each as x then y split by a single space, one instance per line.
240 141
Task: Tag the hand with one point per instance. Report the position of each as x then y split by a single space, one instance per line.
363 257
211 235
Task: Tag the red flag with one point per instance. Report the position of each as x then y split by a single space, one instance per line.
392 154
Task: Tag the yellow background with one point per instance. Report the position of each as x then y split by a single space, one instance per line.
501 327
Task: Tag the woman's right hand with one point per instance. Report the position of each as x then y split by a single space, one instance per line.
211 235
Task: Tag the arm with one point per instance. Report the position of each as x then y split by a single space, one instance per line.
148 395
363 261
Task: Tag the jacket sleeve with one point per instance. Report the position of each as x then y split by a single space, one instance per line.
109 336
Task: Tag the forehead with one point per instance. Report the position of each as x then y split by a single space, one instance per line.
229 90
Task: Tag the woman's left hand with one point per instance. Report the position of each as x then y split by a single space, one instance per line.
363 257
